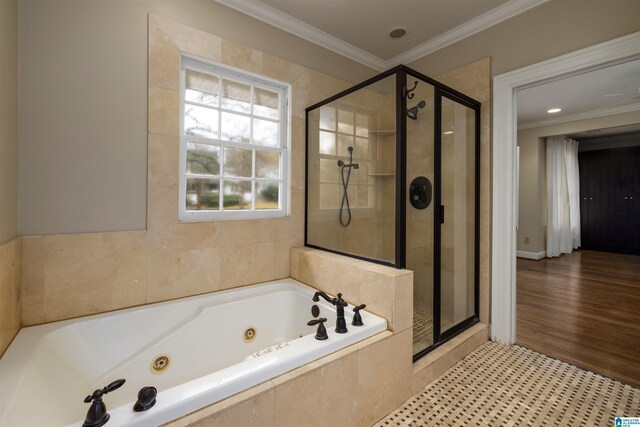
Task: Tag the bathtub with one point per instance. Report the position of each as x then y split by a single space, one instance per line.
215 345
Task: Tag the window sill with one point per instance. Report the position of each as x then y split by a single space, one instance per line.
204 216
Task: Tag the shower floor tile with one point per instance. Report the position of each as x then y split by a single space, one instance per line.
423 330
502 385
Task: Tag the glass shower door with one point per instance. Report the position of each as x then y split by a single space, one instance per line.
458 225
420 125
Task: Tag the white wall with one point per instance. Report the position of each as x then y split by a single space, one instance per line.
8 120
532 208
83 96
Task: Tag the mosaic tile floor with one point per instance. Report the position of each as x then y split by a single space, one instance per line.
500 385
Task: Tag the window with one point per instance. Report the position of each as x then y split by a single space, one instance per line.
234 155
341 128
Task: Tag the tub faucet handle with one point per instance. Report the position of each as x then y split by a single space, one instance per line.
321 333
146 399
97 414
357 318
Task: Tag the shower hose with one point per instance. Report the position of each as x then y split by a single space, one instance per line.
345 197
345 186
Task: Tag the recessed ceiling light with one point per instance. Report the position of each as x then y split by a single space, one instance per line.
449 132
398 32
554 110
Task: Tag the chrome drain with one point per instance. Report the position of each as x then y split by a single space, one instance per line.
160 364
249 335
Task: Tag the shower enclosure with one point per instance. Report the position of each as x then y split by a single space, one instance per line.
392 177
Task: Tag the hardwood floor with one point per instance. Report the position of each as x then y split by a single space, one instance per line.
583 308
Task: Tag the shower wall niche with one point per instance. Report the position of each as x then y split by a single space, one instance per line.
393 178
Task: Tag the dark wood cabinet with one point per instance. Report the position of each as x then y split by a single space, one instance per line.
610 199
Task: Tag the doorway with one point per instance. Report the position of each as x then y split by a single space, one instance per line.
503 234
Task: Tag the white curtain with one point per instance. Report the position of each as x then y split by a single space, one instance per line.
563 196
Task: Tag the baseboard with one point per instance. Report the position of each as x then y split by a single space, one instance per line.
531 255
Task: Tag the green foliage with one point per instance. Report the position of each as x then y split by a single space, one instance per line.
231 200
270 193
210 201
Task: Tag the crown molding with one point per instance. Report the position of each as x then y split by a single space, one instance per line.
582 116
469 28
288 23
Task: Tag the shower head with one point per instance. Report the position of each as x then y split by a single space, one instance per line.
412 112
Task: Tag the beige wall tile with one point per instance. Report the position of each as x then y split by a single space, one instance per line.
403 302
295 263
32 280
356 389
384 377
164 111
254 263
190 40
17 284
164 59
241 56
297 153
324 397
93 273
10 273
254 394
247 232
180 273
279 69
318 271
257 412
163 167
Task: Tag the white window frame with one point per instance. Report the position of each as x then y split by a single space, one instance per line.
284 135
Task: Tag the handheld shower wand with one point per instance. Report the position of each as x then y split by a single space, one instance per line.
345 186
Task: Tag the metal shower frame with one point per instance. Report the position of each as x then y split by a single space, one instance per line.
440 91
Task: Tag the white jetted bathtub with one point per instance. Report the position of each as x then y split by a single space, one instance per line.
214 346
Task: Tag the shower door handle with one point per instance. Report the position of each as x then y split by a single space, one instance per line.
441 214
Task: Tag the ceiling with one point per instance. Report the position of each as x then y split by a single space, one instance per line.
359 28
611 90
